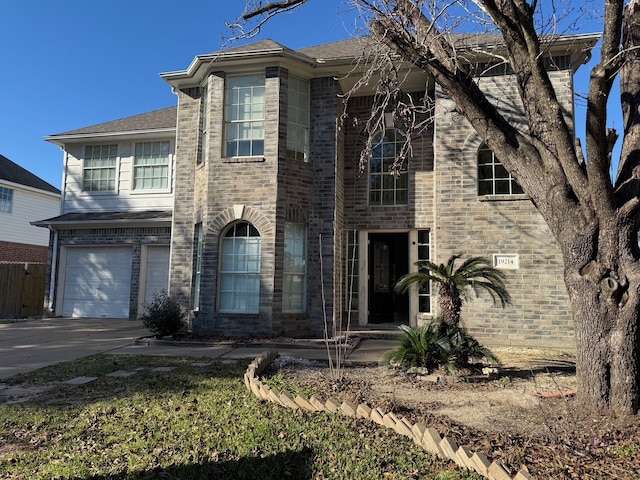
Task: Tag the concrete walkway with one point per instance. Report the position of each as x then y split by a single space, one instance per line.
30 345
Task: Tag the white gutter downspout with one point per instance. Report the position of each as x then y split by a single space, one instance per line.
54 261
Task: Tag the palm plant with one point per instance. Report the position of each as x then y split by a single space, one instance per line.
454 284
436 344
418 348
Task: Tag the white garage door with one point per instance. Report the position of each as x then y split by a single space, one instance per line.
156 276
97 282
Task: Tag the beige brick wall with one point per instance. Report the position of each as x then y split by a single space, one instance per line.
470 225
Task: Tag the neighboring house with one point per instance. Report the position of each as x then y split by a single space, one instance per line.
273 228
24 198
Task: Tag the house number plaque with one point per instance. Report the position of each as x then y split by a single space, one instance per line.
505 261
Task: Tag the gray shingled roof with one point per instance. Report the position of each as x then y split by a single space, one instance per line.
266 44
353 48
158 119
12 172
97 217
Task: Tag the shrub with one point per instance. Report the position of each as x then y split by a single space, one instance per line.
163 315
437 344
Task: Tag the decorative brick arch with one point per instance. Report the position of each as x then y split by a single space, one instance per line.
237 213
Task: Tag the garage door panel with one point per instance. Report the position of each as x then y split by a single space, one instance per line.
157 271
97 282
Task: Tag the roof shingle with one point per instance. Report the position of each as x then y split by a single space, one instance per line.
158 119
14 173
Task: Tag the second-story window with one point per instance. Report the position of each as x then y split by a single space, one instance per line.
151 166
386 186
99 170
204 125
244 115
493 178
298 119
6 200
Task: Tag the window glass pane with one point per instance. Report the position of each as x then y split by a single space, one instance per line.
244 115
493 177
382 175
294 277
501 172
99 168
6 200
424 293
515 188
485 172
240 269
503 187
297 118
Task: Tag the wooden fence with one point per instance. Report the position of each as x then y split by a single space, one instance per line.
22 289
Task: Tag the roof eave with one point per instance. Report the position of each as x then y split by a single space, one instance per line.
74 224
29 188
62 139
195 71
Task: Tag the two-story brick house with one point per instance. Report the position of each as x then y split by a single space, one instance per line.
276 230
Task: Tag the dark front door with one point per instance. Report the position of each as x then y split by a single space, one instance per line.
388 261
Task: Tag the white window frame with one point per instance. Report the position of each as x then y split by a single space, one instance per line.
492 176
6 200
152 167
352 271
298 119
244 115
197 265
239 272
204 125
111 155
424 253
385 186
294 281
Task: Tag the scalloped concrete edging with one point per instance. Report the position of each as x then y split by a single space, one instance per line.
426 437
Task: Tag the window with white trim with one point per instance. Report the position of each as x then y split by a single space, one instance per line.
352 262
151 166
197 267
298 119
294 288
493 178
204 125
386 185
6 200
424 253
240 256
99 169
244 115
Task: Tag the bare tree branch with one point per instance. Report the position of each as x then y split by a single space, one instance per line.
272 7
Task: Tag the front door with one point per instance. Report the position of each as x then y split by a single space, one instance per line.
388 261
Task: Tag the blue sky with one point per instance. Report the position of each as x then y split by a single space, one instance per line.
74 63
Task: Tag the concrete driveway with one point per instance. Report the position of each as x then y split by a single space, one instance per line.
27 346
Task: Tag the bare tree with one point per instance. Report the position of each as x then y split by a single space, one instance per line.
594 220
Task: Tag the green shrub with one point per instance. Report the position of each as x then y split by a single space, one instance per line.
163 315
436 344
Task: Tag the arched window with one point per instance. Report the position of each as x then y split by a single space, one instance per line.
493 178
387 187
240 253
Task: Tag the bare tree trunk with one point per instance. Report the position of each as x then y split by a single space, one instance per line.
605 304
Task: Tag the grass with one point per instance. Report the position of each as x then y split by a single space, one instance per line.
190 423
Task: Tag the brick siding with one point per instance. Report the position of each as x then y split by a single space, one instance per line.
23 252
